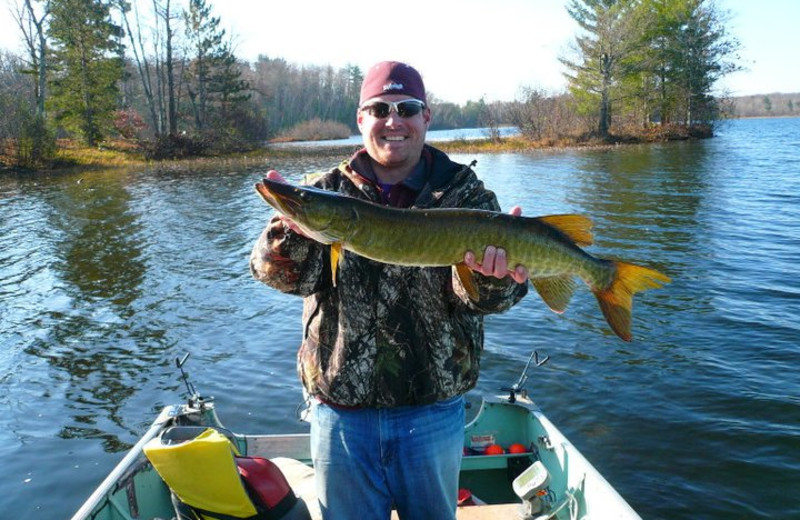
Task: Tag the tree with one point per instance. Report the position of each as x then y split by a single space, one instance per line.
143 68
34 138
164 14
32 24
606 48
87 65
26 140
655 59
213 76
154 61
690 51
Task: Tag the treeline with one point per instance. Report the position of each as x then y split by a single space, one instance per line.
164 75
767 105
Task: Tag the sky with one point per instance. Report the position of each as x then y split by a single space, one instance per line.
471 49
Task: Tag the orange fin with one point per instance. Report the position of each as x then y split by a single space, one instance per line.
465 276
556 291
577 227
336 254
616 300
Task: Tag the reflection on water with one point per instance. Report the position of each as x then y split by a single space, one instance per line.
84 316
106 277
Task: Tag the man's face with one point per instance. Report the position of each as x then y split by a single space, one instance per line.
394 142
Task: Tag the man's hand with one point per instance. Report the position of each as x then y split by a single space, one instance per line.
495 262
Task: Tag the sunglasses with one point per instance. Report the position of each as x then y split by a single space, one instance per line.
405 109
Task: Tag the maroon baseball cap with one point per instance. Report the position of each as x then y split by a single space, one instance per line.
392 77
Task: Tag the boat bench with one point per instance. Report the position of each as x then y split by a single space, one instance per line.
301 478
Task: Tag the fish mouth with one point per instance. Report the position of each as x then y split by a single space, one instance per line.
281 196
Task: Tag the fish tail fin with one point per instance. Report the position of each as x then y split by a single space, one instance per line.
616 299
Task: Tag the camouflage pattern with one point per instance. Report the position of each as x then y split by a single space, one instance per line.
385 335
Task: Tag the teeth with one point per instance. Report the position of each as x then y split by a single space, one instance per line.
395 138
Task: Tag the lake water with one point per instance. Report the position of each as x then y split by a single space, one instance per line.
107 277
465 134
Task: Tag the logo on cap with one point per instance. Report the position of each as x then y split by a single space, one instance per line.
393 86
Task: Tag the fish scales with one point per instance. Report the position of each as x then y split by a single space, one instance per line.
440 237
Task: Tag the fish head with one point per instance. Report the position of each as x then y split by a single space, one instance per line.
320 214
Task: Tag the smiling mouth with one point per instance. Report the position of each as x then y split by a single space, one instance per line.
395 138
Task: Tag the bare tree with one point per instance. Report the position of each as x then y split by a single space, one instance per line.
154 61
165 15
143 67
31 22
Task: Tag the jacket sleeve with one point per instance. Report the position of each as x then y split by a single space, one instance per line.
289 262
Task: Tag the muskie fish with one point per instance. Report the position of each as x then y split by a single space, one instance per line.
547 246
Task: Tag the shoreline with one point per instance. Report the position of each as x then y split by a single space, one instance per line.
111 155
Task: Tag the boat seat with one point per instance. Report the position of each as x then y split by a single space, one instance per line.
301 478
210 480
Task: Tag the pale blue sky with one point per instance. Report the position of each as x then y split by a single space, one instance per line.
467 49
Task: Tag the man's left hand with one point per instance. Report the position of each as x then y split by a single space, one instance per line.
495 262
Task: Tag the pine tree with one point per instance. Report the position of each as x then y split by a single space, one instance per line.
86 66
656 60
688 51
213 76
610 39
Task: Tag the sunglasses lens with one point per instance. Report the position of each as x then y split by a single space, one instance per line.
378 110
409 108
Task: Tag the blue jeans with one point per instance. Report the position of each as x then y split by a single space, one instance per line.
369 459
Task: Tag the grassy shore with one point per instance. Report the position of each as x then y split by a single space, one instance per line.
72 156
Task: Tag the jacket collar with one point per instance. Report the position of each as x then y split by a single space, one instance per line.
428 182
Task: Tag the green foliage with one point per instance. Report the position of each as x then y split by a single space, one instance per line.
86 67
609 41
213 76
649 61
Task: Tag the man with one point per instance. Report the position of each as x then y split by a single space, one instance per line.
389 351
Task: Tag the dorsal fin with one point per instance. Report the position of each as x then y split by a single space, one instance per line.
577 227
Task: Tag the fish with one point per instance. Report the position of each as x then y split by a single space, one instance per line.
550 247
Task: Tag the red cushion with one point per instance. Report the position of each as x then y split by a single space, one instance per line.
265 478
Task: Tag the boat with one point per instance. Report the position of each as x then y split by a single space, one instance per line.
516 465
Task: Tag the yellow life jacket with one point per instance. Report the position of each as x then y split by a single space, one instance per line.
202 473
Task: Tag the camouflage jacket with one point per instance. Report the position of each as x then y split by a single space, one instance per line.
385 335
